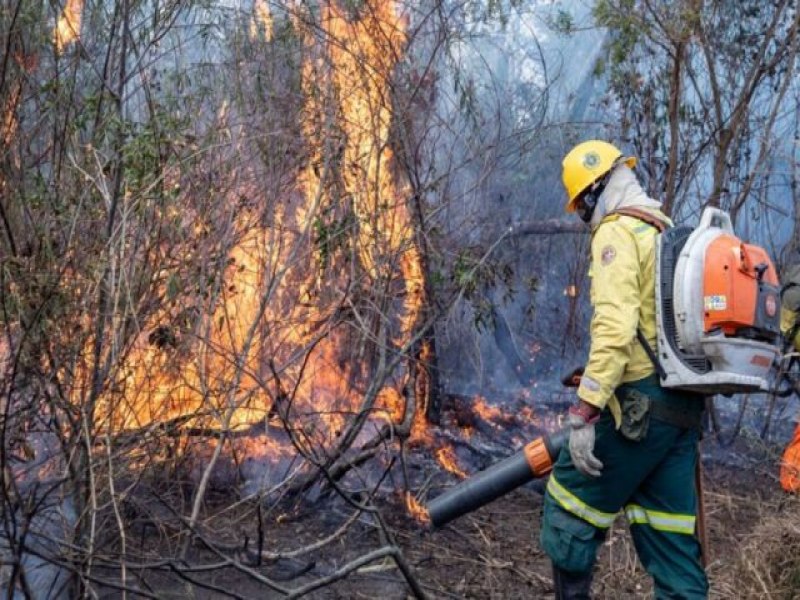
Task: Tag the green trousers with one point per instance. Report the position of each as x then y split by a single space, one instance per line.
652 481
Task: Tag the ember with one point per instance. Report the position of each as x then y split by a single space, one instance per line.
447 458
416 510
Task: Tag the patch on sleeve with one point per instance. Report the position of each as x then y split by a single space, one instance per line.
607 255
590 384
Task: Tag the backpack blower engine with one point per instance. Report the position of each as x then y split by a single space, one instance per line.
718 309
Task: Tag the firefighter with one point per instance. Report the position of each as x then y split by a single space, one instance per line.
790 304
790 328
633 444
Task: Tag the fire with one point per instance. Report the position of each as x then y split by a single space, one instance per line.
68 27
392 404
416 510
448 460
488 412
358 66
262 20
266 336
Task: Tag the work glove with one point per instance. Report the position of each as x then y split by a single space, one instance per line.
581 420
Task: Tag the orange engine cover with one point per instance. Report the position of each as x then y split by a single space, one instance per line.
732 288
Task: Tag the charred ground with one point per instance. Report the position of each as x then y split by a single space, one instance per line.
491 553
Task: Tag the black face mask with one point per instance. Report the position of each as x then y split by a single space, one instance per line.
588 202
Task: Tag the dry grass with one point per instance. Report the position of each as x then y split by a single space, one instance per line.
765 562
753 530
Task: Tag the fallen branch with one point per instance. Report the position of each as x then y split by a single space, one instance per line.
549 227
388 551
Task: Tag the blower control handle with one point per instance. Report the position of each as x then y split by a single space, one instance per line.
761 268
714 217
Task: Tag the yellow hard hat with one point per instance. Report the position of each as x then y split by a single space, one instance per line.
586 163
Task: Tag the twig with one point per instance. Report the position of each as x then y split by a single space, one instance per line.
346 570
118 516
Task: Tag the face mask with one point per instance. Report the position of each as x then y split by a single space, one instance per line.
588 202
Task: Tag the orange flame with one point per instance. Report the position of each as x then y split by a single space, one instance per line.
447 458
489 412
357 63
346 83
416 510
68 27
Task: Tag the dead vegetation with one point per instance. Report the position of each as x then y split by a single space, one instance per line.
492 553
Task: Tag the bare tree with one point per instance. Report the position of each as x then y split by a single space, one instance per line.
702 88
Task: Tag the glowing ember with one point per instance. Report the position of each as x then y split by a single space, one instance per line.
489 412
68 27
447 458
416 510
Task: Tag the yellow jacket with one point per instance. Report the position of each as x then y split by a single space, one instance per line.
623 276
788 319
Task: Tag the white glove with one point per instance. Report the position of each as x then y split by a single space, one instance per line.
581 444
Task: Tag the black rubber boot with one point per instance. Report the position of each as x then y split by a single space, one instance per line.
571 586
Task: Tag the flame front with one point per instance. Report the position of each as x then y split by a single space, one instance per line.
349 81
267 346
448 460
279 294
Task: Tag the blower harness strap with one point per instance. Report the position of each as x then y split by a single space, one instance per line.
661 226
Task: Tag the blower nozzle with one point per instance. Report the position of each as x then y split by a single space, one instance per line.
533 461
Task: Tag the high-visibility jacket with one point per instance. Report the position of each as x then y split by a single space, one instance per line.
790 303
788 320
623 274
790 464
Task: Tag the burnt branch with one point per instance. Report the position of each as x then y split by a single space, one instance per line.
550 227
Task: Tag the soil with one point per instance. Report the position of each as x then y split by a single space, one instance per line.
493 553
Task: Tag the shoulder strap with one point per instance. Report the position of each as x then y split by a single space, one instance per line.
651 354
660 226
642 215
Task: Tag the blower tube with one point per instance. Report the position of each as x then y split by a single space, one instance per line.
533 461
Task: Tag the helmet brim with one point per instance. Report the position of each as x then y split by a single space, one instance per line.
628 160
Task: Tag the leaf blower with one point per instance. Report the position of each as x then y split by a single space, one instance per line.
533 461
718 332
